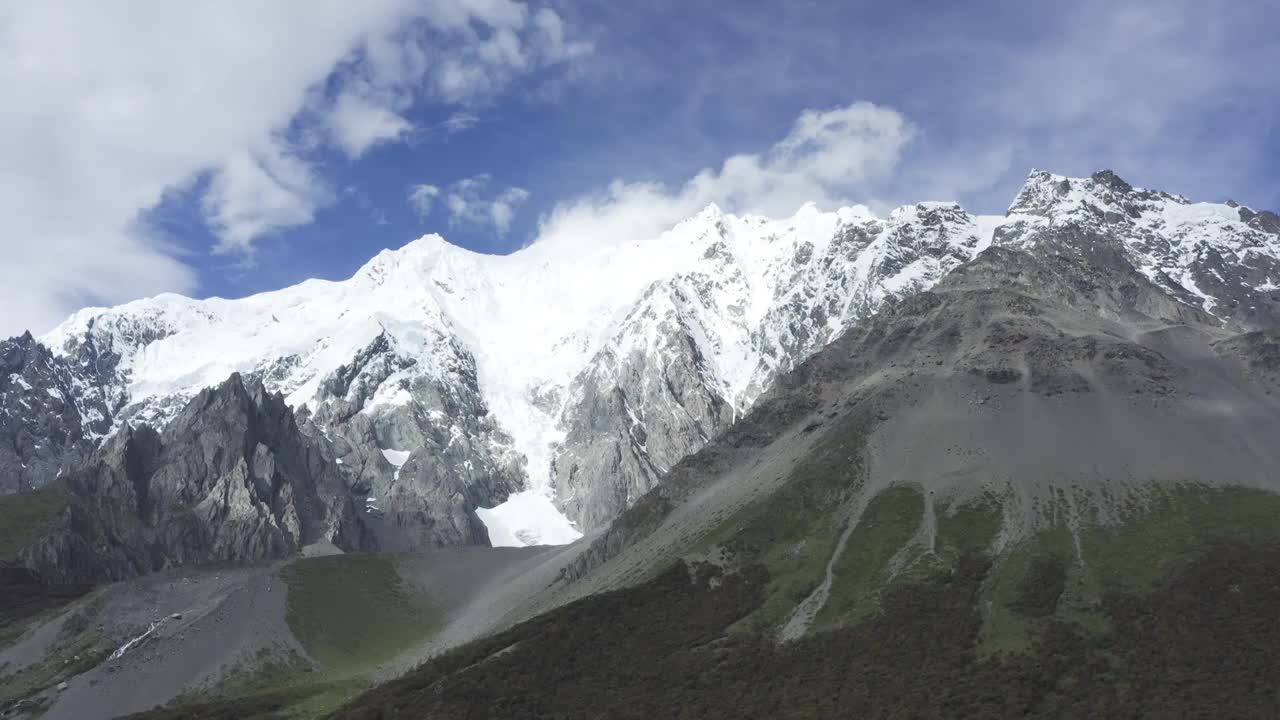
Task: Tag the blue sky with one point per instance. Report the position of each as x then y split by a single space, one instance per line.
246 146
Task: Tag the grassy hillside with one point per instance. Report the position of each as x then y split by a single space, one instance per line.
1165 611
1168 614
24 517
23 597
353 611
1198 646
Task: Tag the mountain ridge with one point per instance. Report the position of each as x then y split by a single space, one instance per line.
425 334
1047 438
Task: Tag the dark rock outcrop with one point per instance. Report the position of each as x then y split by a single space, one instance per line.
46 416
231 479
1258 354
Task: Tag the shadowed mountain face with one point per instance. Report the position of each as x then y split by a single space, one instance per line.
1066 385
235 479
231 479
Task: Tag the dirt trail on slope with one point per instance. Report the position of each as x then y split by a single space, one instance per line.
209 623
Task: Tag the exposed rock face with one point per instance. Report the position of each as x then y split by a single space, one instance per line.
231 479
421 468
632 419
1258 353
46 415
696 351
1060 380
1216 257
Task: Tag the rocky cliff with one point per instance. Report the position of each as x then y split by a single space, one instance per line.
230 479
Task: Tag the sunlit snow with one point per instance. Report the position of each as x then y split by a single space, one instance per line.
397 458
528 323
527 518
531 320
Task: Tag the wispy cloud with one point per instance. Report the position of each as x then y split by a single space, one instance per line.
503 208
460 121
422 197
469 201
256 191
358 124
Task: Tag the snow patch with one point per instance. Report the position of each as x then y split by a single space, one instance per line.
389 395
397 458
527 518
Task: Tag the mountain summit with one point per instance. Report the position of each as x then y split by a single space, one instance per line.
561 383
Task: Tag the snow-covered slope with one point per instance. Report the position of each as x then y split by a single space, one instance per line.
699 347
751 296
582 372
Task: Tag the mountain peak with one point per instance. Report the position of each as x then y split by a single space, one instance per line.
1043 192
509 354
709 216
1040 191
712 212
429 245
1111 180
927 208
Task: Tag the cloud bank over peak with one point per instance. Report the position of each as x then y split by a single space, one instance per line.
828 157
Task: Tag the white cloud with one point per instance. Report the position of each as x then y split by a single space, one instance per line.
256 192
108 106
827 158
503 208
468 202
422 197
551 41
459 122
358 124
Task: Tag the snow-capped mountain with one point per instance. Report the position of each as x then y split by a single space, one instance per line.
516 361
577 374
1221 257
699 347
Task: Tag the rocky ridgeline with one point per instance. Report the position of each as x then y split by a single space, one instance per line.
398 444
